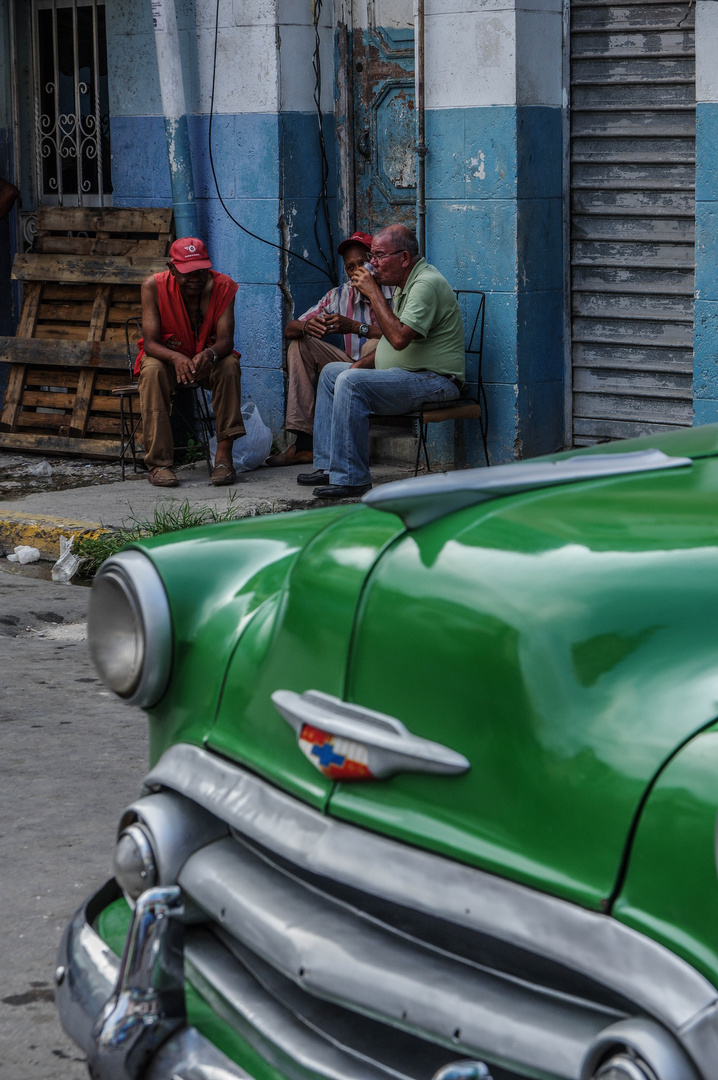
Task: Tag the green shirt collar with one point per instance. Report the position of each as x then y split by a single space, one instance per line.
410 280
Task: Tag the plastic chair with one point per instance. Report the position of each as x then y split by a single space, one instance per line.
129 392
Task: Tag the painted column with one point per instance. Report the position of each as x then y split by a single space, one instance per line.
245 149
174 108
494 203
705 341
302 215
8 310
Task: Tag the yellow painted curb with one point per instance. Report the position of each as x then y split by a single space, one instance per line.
43 531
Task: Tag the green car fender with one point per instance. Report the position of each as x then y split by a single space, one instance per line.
670 888
564 642
216 578
301 641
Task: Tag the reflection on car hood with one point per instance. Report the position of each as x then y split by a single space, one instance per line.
565 642
427 498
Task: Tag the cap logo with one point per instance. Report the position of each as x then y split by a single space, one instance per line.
191 247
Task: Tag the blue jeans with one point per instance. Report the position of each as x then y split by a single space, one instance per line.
346 397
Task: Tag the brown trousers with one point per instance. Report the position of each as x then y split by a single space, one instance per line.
306 356
157 383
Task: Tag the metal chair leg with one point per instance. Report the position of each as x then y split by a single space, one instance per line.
205 425
424 431
133 433
421 434
122 434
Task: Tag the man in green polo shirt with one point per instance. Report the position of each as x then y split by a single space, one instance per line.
419 359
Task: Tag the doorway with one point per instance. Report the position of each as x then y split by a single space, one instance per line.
63 105
379 177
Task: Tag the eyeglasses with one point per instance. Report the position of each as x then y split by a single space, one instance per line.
379 256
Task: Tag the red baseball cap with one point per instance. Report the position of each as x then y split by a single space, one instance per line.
189 254
356 238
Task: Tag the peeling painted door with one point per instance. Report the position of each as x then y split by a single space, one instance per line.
384 124
633 122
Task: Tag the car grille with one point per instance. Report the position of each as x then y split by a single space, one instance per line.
338 953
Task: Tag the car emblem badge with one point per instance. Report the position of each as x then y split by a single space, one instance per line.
336 758
349 742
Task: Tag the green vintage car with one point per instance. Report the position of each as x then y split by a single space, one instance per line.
433 784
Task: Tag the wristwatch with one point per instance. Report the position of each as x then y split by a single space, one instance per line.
215 358
363 329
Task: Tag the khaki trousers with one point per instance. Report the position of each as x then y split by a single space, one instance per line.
157 383
306 356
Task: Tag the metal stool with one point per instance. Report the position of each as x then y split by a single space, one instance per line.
129 425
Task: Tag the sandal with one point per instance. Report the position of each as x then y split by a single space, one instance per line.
223 473
162 476
291 456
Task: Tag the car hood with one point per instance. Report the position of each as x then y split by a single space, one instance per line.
563 640
299 638
566 642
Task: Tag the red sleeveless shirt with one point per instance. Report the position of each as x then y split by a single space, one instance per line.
177 331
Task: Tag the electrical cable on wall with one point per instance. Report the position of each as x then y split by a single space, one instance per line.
323 196
270 243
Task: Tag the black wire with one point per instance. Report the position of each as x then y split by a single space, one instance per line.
239 225
323 196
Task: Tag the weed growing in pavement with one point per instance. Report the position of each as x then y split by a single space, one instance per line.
169 516
189 454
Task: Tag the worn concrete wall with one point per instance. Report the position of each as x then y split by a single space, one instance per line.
263 146
7 290
705 371
300 153
494 211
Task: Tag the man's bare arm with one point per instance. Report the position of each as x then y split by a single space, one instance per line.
340 324
365 361
8 194
223 344
152 326
394 330
224 339
314 327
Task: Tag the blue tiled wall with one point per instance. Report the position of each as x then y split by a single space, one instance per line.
301 184
494 222
245 154
265 164
540 280
705 341
7 290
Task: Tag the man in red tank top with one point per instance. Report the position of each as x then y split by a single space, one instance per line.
188 337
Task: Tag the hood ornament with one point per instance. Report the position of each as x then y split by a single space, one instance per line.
349 742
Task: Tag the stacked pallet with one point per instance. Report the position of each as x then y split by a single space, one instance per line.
81 285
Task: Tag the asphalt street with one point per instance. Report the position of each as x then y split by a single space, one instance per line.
71 757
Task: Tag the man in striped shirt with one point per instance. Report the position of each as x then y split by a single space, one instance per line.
340 311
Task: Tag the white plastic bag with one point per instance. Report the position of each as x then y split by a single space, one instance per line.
43 468
67 565
24 554
252 449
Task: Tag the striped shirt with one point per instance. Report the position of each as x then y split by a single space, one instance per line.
346 300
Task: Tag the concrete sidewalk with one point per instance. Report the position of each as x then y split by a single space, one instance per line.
39 519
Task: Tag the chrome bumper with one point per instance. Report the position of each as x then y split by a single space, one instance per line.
128 1015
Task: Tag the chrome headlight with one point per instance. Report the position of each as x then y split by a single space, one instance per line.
134 863
129 628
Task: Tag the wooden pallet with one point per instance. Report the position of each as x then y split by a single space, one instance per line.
82 282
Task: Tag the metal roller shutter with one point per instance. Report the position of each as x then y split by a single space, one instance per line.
632 217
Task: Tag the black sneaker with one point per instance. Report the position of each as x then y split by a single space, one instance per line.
341 491
311 479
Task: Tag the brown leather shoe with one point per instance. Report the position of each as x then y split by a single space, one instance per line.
162 476
291 456
223 473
